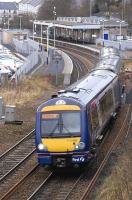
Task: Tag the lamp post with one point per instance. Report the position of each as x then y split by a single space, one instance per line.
8 23
83 36
54 13
27 8
20 23
41 34
50 25
90 6
34 26
103 21
33 30
123 8
47 44
120 30
120 21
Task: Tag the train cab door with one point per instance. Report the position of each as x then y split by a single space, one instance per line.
94 121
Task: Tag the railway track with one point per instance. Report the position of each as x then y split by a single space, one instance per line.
37 183
86 184
81 64
15 160
83 59
33 179
79 69
17 145
55 187
80 50
41 184
124 128
10 159
92 58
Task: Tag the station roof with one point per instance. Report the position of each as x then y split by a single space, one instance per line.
68 25
83 23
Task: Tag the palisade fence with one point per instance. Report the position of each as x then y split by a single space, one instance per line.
38 56
29 64
32 49
122 45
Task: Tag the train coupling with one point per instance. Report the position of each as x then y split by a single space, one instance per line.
60 162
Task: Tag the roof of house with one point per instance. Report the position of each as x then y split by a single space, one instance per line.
8 6
34 3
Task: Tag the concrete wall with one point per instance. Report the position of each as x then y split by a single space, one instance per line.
29 64
68 69
36 51
7 36
30 48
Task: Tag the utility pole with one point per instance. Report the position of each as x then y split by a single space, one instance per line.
54 13
90 8
20 23
33 30
123 9
122 15
8 23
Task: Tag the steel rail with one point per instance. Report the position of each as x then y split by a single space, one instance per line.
6 196
74 185
39 188
99 170
88 55
64 43
17 165
18 143
75 64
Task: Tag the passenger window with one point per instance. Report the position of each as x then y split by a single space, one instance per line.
106 103
94 117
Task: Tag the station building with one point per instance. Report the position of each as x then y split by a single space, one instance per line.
7 10
84 29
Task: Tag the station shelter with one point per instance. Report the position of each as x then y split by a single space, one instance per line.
82 29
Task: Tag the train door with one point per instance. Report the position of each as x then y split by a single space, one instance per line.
116 93
94 121
106 106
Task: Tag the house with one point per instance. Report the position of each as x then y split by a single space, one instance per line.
7 11
29 6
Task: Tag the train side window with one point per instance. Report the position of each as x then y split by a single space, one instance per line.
94 117
106 103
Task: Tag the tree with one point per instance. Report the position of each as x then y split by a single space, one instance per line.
89 7
63 8
26 22
95 8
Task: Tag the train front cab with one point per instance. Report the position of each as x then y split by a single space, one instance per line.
62 137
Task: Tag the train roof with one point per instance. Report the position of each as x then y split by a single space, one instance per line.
112 63
88 87
105 51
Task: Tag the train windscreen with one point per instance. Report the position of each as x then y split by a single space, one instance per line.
60 124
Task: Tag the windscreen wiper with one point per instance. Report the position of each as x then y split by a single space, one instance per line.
52 132
70 133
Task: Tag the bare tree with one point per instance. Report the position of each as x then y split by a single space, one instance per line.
63 8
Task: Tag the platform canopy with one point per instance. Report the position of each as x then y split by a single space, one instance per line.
68 25
83 23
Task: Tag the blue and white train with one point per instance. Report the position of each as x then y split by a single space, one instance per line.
69 126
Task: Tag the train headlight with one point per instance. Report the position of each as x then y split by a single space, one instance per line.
77 147
80 146
42 147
